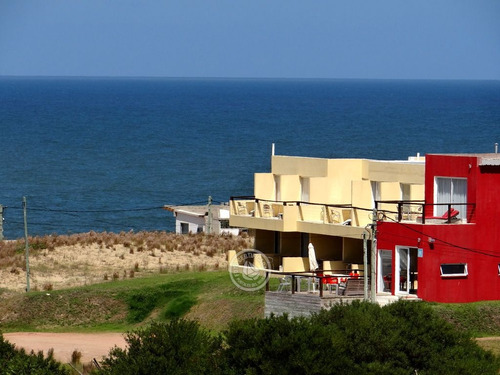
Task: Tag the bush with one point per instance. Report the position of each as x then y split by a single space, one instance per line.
278 345
361 338
178 347
13 361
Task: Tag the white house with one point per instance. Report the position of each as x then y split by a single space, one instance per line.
196 219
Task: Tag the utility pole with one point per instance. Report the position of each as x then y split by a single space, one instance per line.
26 245
373 257
1 222
209 215
365 267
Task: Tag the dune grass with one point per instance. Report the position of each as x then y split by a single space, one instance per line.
12 252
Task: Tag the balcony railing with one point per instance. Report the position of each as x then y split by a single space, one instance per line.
341 214
421 212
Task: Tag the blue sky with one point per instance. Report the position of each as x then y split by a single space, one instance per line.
440 39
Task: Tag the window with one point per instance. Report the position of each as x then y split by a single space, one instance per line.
224 224
450 190
454 270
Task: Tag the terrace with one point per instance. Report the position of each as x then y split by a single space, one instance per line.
332 219
435 213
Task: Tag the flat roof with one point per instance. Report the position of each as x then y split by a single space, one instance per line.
485 159
198 211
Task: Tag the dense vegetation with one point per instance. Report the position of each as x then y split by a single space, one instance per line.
13 361
362 338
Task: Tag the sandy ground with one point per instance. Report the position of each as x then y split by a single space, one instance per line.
91 345
77 265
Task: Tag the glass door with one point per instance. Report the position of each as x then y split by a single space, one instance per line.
402 275
384 281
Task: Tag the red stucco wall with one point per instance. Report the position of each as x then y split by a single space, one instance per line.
476 243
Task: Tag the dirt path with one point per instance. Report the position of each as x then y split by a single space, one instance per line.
91 345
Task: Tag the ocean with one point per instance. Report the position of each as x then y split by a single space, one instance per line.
105 154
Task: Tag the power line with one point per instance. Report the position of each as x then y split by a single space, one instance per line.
476 251
95 211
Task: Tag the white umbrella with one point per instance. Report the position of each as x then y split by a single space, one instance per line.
313 263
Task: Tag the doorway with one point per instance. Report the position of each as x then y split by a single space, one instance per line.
405 278
384 281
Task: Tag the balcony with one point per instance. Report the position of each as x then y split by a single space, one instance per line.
419 212
295 216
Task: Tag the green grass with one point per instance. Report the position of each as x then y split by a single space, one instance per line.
127 304
208 297
480 319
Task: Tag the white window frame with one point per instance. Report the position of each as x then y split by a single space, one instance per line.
463 274
462 206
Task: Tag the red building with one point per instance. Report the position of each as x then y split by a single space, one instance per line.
446 248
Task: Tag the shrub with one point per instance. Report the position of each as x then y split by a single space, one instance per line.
360 338
13 361
76 356
278 345
177 347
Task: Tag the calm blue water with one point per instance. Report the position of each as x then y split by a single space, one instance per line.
104 154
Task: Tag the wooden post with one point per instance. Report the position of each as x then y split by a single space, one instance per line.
26 246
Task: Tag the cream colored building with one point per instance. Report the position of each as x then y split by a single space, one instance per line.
326 202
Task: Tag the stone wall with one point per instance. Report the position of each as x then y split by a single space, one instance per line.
294 305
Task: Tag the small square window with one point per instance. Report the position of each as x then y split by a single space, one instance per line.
454 270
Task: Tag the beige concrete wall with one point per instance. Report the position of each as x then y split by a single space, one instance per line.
404 172
320 190
312 213
341 173
346 169
290 217
389 191
362 197
264 186
290 188
417 192
301 166
295 264
330 230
